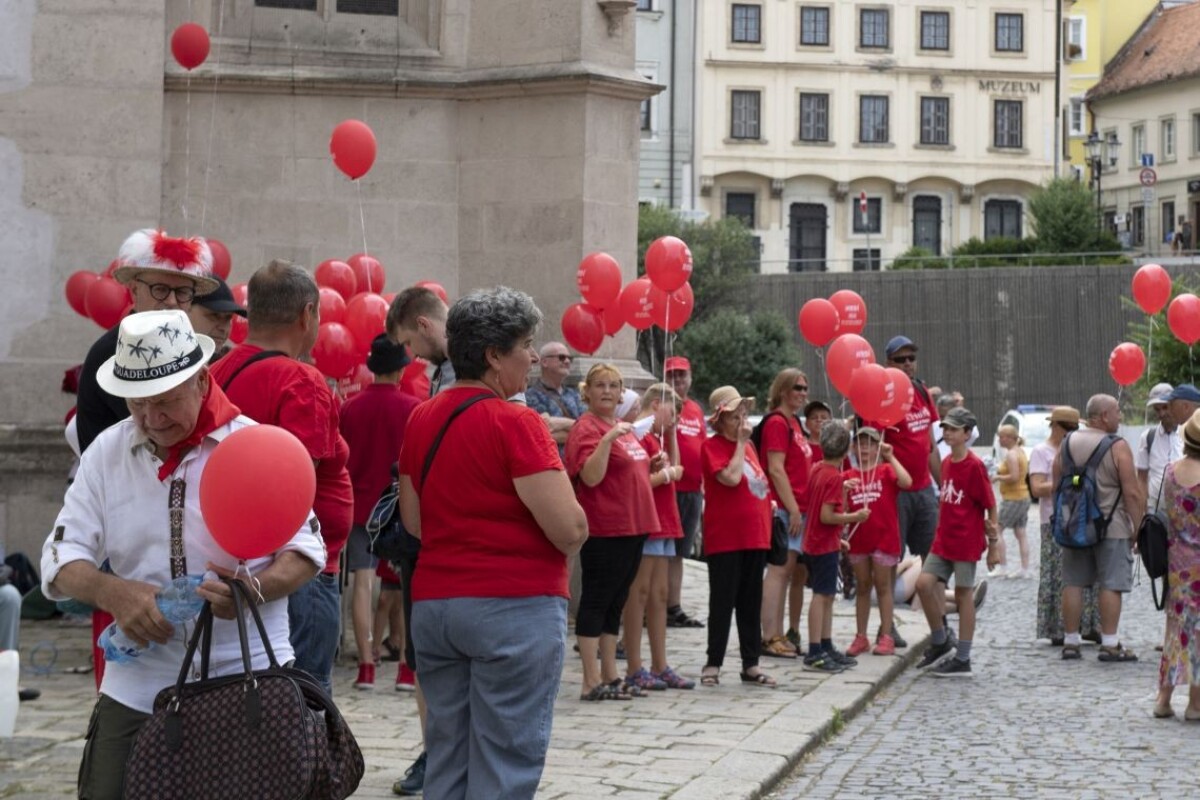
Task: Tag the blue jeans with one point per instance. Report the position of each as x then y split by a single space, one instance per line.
314 616
490 669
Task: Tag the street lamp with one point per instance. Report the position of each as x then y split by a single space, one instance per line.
1100 150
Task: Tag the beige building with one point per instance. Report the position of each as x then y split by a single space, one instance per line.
938 117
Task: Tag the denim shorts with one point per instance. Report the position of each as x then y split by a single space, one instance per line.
793 541
659 547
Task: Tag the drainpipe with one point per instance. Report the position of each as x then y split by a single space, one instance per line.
1058 59
671 114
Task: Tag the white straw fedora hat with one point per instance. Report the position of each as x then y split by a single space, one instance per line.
151 249
156 351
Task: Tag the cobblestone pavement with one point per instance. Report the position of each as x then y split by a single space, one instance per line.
1027 725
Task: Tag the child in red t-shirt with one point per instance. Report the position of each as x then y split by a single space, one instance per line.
823 543
962 536
875 544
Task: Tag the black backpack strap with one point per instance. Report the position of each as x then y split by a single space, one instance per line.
254 359
437 440
1093 465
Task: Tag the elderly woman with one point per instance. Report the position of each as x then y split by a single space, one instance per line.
737 535
481 484
611 472
129 505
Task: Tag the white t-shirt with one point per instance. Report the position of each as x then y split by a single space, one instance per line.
1041 462
1167 447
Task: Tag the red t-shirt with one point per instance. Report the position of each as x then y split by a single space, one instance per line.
293 395
966 497
824 487
691 432
735 517
664 498
878 491
910 439
782 433
478 539
414 380
622 504
372 423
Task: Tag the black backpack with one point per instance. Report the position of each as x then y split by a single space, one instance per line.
757 434
1078 522
388 540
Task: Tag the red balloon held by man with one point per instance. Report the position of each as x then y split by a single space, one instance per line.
671 311
905 395
222 262
668 263
190 45
352 146
847 353
258 492
636 303
366 318
870 389
239 329
852 311
241 294
338 276
76 290
368 272
333 307
1183 318
1126 363
335 352
583 327
1151 288
107 302
599 280
436 288
111 268
818 321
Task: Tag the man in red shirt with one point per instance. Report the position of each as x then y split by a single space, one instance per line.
265 378
690 432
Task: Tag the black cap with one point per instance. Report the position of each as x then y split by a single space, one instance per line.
220 300
813 405
386 356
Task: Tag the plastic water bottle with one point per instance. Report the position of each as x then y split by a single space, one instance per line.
178 602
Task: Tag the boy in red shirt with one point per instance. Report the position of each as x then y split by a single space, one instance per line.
962 537
822 543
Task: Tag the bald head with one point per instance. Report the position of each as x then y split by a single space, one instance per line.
1103 413
556 363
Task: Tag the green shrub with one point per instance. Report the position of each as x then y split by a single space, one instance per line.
737 349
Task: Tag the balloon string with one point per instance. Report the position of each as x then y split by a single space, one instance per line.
362 221
187 153
212 117
824 371
1149 362
253 580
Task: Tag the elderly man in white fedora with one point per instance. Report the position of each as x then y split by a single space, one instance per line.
135 504
1158 446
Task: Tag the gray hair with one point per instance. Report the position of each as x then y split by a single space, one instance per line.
835 439
278 294
1097 404
487 318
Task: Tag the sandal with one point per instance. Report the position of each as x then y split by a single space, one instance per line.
710 676
1116 654
1163 712
629 688
679 619
673 680
1191 716
1070 652
759 679
605 691
778 647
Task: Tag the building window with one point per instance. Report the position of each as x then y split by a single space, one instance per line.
1196 134
873 24
744 115
1137 225
814 26
874 220
935 30
740 205
1002 218
646 128
1137 144
747 23
383 8
1076 118
814 117
1076 39
1167 134
1008 124
645 5
866 260
299 5
1168 221
873 119
1010 33
935 120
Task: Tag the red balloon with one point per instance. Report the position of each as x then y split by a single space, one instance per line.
239 329
894 413
368 272
583 327
870 387
818 321
847 353
414 380
258 490
390 296
1126 363
337 275
77 287
107 302
366 317
671 311
1183 317
1151 288
241 294
359 379
614 320
668 263
636 301
222 262
333 307
335 352
436 288
112 267
599 280
851 310
352 146
189 45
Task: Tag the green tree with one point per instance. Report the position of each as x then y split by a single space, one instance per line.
1169 360
1064 217
731 347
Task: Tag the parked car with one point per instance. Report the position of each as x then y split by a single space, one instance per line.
1032 423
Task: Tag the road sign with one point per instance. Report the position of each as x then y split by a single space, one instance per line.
1147 194
1148 177
1147 159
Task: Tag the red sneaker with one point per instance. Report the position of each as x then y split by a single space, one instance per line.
885 646
859 646
366 677
405 680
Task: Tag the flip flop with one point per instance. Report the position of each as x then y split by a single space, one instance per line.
759 679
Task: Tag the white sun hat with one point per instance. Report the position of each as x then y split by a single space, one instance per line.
156 351
151 249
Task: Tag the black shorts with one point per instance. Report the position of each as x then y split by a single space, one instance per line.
822 572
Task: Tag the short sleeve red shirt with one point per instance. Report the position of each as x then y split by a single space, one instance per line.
966 498
691 431
824 488
293 395
372 423
878 492
622 504
735 517
910 439
478 539
664 498
782 433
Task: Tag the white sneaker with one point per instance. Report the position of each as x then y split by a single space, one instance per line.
1000 571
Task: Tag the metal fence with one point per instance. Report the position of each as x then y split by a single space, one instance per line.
1002 337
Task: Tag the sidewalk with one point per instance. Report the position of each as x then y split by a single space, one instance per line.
731 741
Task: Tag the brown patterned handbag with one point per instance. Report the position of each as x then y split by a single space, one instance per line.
272 733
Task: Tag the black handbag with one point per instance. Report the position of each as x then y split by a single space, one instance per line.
387 538
777 556
272 734
1152 545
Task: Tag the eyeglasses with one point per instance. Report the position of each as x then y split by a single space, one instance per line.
800 387
903 359
161 291
562 357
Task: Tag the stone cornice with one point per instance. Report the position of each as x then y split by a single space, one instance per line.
833 66
28 449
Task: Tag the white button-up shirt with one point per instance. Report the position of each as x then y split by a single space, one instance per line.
1167 447
117 509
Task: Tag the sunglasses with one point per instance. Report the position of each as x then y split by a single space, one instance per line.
800 387
160 291
562 357
903 359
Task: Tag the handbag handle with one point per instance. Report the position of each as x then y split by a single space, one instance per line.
240 588
202 637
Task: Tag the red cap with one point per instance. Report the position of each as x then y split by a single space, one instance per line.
678 363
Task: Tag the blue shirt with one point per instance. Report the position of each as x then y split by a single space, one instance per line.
565 402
